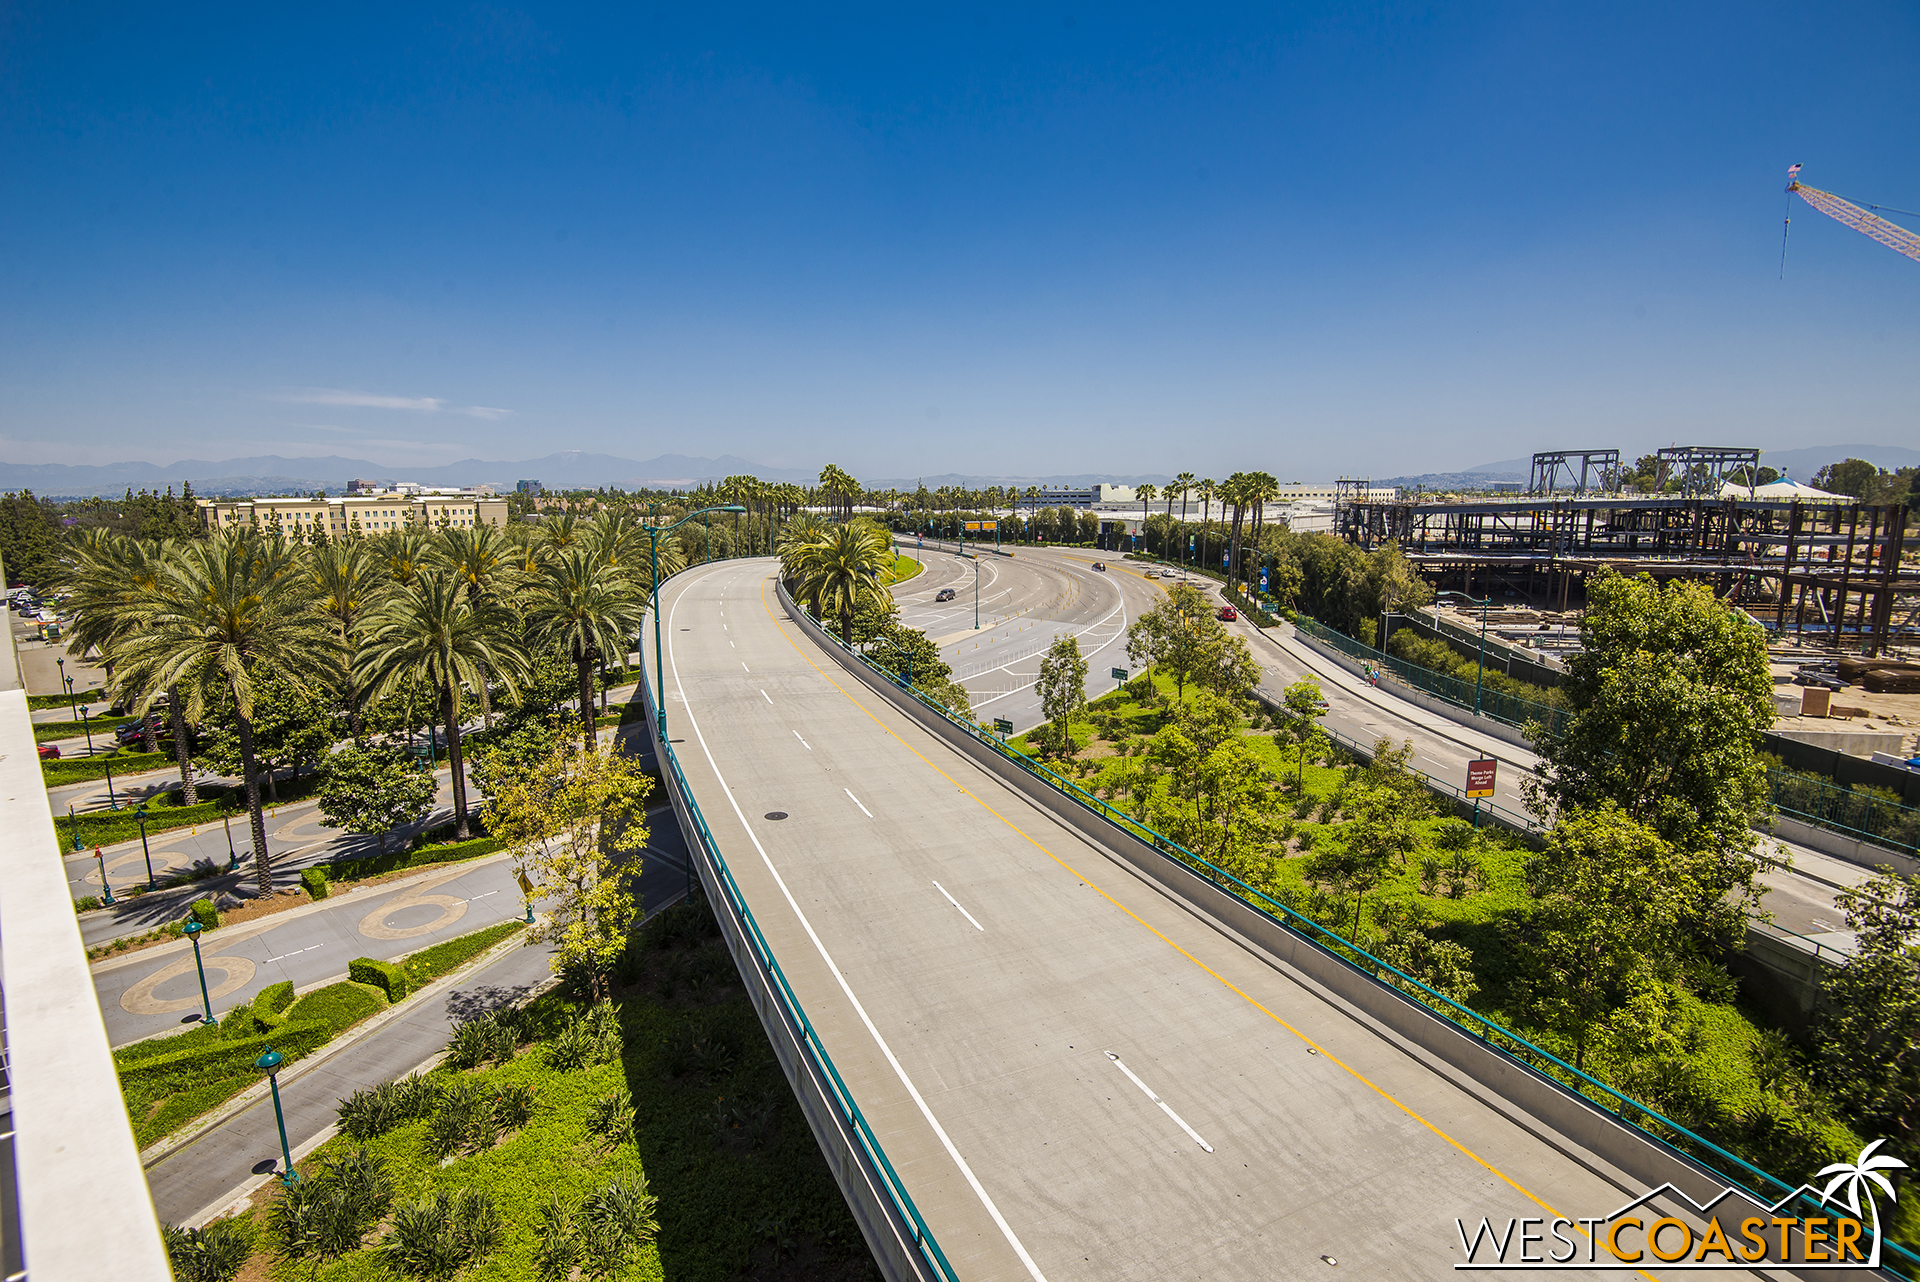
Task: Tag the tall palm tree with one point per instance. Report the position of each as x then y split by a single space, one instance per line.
346 586
1148 493
404 552
222 611
587 607
429 632
1207 489
1185 482
482 558
843 568
106 574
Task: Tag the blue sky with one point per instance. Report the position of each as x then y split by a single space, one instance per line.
1054 238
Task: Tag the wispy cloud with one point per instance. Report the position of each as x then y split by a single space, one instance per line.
369 400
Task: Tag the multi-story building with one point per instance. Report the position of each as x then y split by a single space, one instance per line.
360 513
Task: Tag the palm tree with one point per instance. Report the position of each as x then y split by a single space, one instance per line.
429 632
589 608
841 569
346 586
1206 490
481 558
1148 493
222 610
106 575
1186 483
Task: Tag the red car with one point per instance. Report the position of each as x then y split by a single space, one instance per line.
1227 614
49 752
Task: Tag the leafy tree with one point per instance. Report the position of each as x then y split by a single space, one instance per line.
292 728
374 789
223 608
570 820
1849 476
29 538
1867 1036
1408 944
1181 635
1378 833
1609 893
1217 801
1667 701
908 652
511 752
1062 689
1300 727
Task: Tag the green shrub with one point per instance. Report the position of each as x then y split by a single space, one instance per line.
274 998
430 963
86 904
366 1114
165 1074
337 1007
213 1254
314 881
205 913
439 1235
382 975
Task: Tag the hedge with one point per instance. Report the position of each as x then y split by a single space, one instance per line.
315 882
57 774
429 963
337 1007
378 974
373 865
266 1013
164 1074
44 731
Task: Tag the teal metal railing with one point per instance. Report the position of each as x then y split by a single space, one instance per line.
796 1015
1657 1127
1838 808
1509 709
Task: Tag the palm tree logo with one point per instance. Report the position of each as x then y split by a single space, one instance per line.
1863 1174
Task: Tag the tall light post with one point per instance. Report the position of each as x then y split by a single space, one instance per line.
86 725
192 931
1480 671
269 1064
106 891
141 815
653 533
66 681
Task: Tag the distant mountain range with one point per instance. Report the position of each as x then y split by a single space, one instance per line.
271 474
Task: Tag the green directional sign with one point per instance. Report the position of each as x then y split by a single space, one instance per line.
1119 674
1002 726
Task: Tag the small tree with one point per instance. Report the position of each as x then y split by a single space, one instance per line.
291 728
1866 1037
374 789
1063 689
572 820
1366 847
1300 728
1610 894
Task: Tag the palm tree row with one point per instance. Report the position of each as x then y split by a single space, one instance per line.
456 612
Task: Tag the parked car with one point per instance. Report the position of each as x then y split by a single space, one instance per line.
1100 566
49 752
1227 614
131 732
944 594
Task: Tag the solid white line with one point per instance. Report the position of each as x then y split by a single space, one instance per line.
856 801
946 1141
1191 1133
956 903
743 663
803 742
766 696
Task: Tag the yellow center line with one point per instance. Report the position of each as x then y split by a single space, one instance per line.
1358 1076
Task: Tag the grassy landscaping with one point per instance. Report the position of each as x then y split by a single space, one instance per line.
904 568
676 1090
101 727
168 1081
58 774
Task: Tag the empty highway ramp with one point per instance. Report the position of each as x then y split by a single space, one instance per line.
1076 1076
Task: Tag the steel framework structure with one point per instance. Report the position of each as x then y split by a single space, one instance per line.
1603 465
1832 570
1702 469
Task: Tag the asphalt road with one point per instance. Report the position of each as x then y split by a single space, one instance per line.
1075 1076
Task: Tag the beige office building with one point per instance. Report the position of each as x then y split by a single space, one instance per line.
366 513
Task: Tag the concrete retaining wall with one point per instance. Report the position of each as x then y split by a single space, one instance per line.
1566 1113
890 1236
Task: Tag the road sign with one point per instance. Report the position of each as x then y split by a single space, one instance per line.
1119 674
1480 777
1002 726
981 525
526 887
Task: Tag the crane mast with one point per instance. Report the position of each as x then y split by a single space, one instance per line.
1891 235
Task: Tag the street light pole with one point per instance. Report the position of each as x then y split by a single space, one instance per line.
141 815
269 1063
106 895
192 931
1480 670
86 724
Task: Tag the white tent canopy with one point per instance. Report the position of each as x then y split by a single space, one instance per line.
1782 489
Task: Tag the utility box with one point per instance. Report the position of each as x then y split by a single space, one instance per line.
1815 701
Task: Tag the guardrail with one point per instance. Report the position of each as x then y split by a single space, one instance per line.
800 1027
1661 1130
1838 808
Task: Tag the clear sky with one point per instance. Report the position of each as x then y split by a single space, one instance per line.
1027 239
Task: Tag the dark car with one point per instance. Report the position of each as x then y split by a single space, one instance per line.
1100 566
944 594
132 733
1227 614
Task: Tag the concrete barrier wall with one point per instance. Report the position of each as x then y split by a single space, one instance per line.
1868 854
889 1235
1570 1115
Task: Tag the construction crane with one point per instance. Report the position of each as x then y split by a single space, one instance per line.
1894 237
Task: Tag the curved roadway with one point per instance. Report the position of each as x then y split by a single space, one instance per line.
1075 1075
